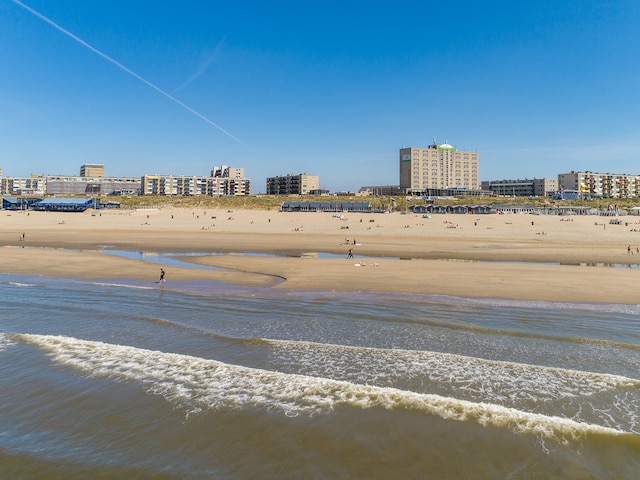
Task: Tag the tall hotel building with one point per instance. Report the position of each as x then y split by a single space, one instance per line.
438 167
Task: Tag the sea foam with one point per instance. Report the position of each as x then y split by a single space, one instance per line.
6 341
500 379
199 385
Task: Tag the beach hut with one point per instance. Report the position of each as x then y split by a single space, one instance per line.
481 209
439 209
419 208
109 204
460 209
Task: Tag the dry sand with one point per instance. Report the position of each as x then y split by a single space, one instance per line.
552 258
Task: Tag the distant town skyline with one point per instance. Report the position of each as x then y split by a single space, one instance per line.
335 90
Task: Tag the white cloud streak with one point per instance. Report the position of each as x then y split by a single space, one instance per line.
208 60
127 70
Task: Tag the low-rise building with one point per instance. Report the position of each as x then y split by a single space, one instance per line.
381 190
64 204
72 185
22 203
537 187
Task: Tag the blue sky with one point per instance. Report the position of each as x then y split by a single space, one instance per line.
330 88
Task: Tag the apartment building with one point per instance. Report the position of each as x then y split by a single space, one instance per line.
439 166
289 184
607 185
229 186
176 185
224 181
34 185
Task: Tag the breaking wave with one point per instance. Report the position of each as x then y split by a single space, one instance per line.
198 385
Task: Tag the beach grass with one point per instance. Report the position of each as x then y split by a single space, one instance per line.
396 203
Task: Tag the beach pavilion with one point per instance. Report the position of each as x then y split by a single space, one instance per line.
326 207
18 203
65 204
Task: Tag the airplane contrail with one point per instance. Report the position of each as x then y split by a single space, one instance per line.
125 69
201 68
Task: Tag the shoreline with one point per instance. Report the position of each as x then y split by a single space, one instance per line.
495 256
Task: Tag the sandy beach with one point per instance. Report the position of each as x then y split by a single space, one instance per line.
550 258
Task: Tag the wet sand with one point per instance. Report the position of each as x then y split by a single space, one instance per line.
567 259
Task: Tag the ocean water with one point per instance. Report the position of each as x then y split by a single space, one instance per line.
197 380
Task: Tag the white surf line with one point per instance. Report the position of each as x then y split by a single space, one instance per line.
198 384
121 285
127 70
18 284
473 367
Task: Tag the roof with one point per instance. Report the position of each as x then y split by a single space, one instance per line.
445 146
332 206
65 201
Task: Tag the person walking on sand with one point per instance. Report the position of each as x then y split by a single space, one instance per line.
350 253
162 279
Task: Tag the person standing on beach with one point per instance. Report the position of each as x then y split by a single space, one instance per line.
350 253
162 279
